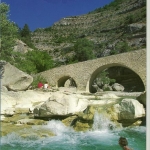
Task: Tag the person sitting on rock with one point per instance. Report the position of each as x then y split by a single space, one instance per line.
46 86
124 143
40 85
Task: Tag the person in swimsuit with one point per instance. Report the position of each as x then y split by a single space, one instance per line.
124 143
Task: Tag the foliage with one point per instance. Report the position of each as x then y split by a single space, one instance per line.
9 33
103 77
122 47
48 29
25 35
106 89
36 80
130 19
35 61
25 32
83 49
112 5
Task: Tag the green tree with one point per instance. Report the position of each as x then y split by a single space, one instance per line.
35 61
83 49
25 32
25 35
103 78
8 35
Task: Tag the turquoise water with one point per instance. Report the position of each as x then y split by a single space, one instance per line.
99 138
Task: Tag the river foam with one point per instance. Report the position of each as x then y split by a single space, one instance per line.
99 138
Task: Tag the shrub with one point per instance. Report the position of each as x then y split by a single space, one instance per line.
103 78
83 49
36 80
35 61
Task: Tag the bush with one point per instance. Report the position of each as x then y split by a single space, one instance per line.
36 80
103 78
35 61
83 49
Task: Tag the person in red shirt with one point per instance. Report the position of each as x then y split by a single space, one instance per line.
40 85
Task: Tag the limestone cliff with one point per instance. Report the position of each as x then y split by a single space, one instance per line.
109 28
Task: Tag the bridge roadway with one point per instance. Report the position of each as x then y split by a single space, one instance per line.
83 73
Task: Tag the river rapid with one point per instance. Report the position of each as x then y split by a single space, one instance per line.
100 137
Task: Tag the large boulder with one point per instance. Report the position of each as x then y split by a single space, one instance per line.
130 109
117 87
15 79
128 112
61 104
21 101
65 104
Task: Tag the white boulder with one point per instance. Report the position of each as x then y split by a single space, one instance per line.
61 104
117 87
129 109
11 101
15 79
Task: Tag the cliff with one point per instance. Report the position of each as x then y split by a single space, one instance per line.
115 28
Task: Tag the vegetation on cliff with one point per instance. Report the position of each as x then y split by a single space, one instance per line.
115 28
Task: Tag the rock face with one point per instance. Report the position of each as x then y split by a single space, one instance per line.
21 47
98 26
14 79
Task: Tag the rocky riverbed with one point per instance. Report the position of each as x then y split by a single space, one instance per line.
25 112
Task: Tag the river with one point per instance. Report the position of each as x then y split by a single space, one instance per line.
100 137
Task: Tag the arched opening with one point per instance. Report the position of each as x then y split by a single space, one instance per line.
124 76
66 81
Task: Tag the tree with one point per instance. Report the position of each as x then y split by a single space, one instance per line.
83 49
9 33
103 78
35 61
25 32
25 35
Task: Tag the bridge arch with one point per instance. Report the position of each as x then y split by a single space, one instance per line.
90 88
84 73
62 80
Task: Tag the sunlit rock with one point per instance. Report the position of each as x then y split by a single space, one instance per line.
130 109
129 112
117 87
61 104
15 79
21 101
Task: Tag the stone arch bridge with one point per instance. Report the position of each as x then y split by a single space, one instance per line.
85 72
